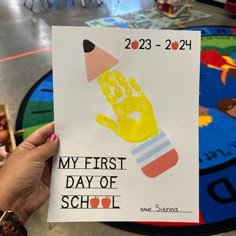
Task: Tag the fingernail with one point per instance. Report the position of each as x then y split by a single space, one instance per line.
52 137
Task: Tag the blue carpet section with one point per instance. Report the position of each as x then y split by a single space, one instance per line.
44 91
233 55
213 30
217 192
217 141
212 89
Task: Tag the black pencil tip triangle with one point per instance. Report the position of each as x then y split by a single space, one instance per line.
88 46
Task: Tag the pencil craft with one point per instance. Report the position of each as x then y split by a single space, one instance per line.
96 60
135 121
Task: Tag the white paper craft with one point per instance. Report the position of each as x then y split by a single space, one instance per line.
126 113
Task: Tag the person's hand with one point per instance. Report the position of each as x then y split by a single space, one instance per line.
25 177
135 120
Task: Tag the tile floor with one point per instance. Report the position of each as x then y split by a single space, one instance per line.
22 31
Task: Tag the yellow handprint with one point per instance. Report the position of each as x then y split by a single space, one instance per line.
135 120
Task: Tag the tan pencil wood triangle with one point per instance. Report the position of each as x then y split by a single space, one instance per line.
97 60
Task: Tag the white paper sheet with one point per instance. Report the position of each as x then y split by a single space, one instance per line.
126 113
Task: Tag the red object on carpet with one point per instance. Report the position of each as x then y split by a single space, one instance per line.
212 57
230 6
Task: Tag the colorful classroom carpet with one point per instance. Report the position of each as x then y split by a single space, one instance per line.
146 19
217 130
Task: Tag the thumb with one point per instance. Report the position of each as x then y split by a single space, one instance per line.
46 150
107 122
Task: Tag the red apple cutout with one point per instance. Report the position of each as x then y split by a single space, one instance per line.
175 45
106 202
134 44
94 202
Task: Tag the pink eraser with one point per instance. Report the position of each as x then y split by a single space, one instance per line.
156 155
